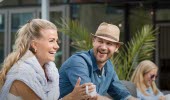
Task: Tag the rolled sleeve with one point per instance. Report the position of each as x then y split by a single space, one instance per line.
76 71
69 72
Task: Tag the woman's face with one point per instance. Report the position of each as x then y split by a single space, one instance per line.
46 46
150 77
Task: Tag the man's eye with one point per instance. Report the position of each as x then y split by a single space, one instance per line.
100 41
109 44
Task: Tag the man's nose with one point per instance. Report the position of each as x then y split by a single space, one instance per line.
103 46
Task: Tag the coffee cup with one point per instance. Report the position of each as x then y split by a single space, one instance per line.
93 93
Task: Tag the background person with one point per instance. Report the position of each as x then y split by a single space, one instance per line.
144 78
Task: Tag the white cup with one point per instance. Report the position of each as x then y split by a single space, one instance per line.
93 93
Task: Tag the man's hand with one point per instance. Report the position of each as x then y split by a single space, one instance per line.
79 92
98 97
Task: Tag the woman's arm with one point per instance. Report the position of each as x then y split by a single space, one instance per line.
19 88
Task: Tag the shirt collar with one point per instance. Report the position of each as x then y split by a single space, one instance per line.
95 67
94 63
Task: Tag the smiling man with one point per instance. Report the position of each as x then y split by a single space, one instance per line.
94 66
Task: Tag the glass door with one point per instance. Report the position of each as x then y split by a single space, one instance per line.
2 35
12 19
17 18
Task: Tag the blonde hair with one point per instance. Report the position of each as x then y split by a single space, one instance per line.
138 76
28 32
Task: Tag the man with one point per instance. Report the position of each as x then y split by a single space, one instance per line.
95 66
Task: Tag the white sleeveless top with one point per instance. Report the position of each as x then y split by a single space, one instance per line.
13 97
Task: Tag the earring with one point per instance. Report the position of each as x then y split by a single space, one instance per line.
35 50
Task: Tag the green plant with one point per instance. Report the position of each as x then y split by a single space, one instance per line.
80 37
140 47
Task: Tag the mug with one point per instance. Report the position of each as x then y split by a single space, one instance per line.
93 93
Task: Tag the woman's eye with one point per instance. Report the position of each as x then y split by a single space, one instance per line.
58 41
52 40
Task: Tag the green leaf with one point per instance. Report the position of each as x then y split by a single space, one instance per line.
80 37
140 47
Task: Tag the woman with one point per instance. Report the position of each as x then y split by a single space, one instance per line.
144 78
29 72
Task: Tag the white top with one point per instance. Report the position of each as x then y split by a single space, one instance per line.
151 96
13 97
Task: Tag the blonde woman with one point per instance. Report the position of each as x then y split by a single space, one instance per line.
29 72
144 78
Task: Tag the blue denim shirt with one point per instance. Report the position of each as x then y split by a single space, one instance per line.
83 65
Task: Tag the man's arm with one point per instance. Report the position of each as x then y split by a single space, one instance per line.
77 68
117 90
81 70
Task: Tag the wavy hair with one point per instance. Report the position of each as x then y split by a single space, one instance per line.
138 76
24 36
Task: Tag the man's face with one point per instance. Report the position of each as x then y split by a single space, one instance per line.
103 49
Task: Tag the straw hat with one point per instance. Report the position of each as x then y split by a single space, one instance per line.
108 32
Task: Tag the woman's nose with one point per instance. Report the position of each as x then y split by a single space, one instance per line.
56 46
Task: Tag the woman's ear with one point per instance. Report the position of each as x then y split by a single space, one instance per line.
33 46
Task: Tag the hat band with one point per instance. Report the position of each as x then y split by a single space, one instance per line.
108 36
